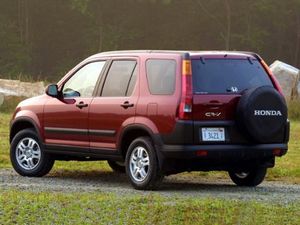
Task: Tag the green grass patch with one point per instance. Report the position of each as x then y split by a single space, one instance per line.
288 166
26 207
10 103
4 143
294 110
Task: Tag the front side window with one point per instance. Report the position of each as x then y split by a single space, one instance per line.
83 82
161 75
120 79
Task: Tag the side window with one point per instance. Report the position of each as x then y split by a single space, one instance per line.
118 78
132 81
161 75
83 82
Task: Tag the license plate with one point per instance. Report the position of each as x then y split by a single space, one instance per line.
213 134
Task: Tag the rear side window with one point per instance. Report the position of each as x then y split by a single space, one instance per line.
121 77
218 76
132 82
161 74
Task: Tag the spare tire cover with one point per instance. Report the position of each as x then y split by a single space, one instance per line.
262 114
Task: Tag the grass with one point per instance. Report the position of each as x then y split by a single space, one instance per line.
294 109
4 144
101 208
9 104
287 168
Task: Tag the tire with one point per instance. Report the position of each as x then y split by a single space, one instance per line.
250 178
261 114
118 167
33 161
145 176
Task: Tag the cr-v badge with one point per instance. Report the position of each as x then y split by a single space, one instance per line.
212 114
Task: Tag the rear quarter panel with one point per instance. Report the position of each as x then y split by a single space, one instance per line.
158 110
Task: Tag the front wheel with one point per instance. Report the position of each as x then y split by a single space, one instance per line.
142 165
250 178
27 155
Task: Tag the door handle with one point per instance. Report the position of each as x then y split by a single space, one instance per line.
81 105
214 103
126 105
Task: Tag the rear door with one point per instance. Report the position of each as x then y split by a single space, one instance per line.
218 83
115 105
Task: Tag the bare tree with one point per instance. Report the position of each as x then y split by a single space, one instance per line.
228 27
297 46
225 29
23 20
20 19
26 17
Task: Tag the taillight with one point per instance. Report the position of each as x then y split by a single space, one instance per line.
186 102
277 152
272 77
201 153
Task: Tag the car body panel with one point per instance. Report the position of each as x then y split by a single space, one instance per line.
159 109
32 110
64 123
105 128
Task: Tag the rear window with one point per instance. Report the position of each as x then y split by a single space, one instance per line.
227 75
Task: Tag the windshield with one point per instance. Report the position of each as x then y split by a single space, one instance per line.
217 76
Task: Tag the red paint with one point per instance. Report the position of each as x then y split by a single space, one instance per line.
209 103
63 113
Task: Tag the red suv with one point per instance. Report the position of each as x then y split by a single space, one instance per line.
155 113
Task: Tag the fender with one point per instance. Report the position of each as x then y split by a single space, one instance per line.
136 126
28 120
157 141
138 123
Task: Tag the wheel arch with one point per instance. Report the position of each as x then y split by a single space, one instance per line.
134 131
21 124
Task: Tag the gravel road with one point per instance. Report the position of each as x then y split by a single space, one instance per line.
172 186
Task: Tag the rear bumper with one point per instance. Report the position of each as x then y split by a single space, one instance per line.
187 132
223 151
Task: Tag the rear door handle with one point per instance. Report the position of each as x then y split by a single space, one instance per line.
214 103
126 105
81 105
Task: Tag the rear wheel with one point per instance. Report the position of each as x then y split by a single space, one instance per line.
116 166
142 165
27 155
249 178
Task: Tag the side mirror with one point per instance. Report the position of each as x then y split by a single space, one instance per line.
52 90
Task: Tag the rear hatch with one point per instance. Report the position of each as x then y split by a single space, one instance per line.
218 82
